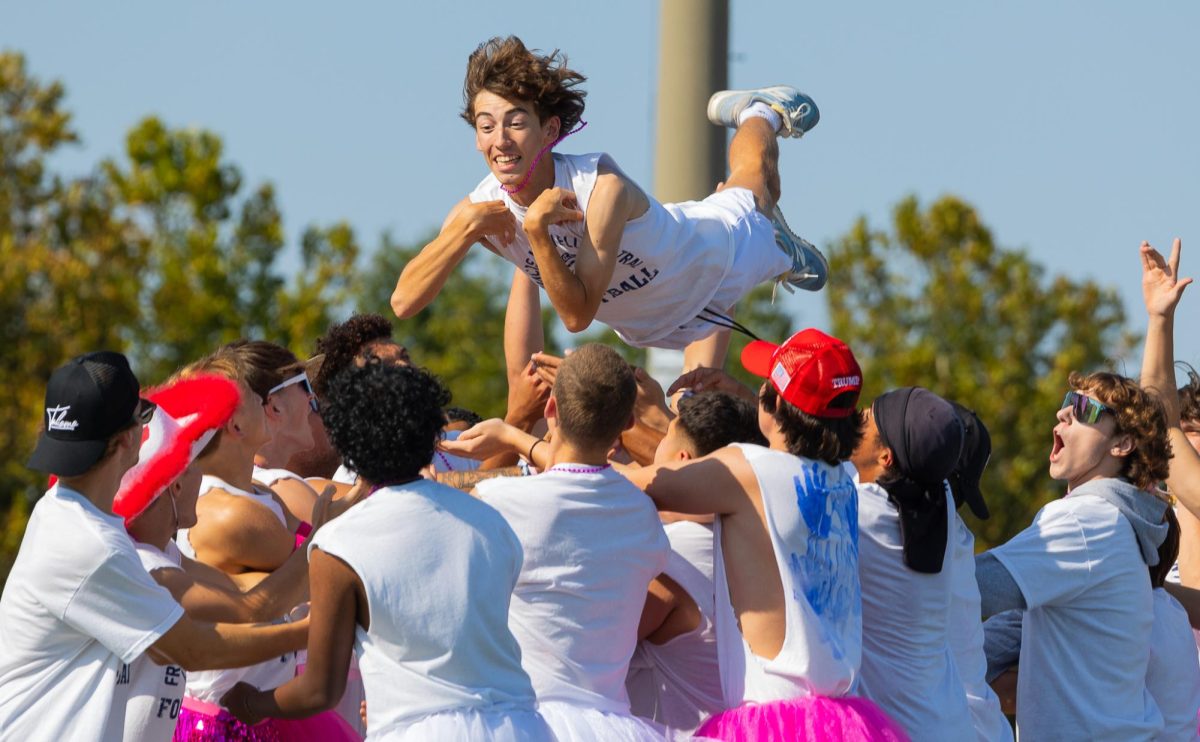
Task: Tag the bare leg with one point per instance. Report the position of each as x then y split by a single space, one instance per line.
754 163
708 352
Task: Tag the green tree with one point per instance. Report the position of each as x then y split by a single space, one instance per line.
460 335
65 261
210 274
155 254
936 303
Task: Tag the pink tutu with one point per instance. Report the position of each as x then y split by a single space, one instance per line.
204 722
812 717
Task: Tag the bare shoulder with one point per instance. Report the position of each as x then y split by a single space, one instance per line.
739 466
464 203
614 186
220 512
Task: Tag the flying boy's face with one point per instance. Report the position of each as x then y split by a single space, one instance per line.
509 135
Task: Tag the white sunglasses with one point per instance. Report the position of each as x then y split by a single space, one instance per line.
300 378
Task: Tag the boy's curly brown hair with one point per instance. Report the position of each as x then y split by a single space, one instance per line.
343 342
1189 396
1136 414
505 67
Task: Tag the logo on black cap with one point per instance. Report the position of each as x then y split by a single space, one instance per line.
56 418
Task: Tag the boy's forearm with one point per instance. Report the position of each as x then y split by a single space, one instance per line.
197 645
426 274
641 441
282 590
466 480
1183 477
1158 364
566 291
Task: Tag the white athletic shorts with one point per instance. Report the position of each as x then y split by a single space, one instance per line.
756 257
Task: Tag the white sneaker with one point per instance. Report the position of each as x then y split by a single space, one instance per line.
798 111
810 269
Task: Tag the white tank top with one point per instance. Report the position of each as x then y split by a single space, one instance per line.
210 685
208 484
668 267
269 477
811 514
677 683
438 567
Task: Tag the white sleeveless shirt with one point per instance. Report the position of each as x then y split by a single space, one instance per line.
670 263
208 484
210 685
438 567
269 477
811 512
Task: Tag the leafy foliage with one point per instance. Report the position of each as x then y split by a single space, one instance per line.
936 303
156 254
460 336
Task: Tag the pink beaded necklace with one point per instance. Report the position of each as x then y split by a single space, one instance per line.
510 190
579 469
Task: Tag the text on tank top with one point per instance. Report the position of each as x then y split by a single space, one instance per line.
667 268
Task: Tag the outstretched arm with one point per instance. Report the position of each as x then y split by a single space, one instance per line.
198 645
493 437
425 275
1162 288
207 594
337 598
720 483
523 337
576 294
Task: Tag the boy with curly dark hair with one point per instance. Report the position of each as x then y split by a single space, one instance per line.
350 341
419 576
661 275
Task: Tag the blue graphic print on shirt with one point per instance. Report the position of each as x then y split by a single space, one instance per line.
826 575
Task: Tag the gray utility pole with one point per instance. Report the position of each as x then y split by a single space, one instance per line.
693 53
689 152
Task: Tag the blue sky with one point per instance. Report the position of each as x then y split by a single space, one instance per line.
1071 126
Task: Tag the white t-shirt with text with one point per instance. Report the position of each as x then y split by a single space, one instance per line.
154 692
76 607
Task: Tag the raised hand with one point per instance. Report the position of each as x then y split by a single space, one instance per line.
553 206
527 397
1161 285
338 505
546 367
712 380
323 510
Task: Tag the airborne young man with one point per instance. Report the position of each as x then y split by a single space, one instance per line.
661 275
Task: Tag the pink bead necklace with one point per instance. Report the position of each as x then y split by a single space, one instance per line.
525 181
579 469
